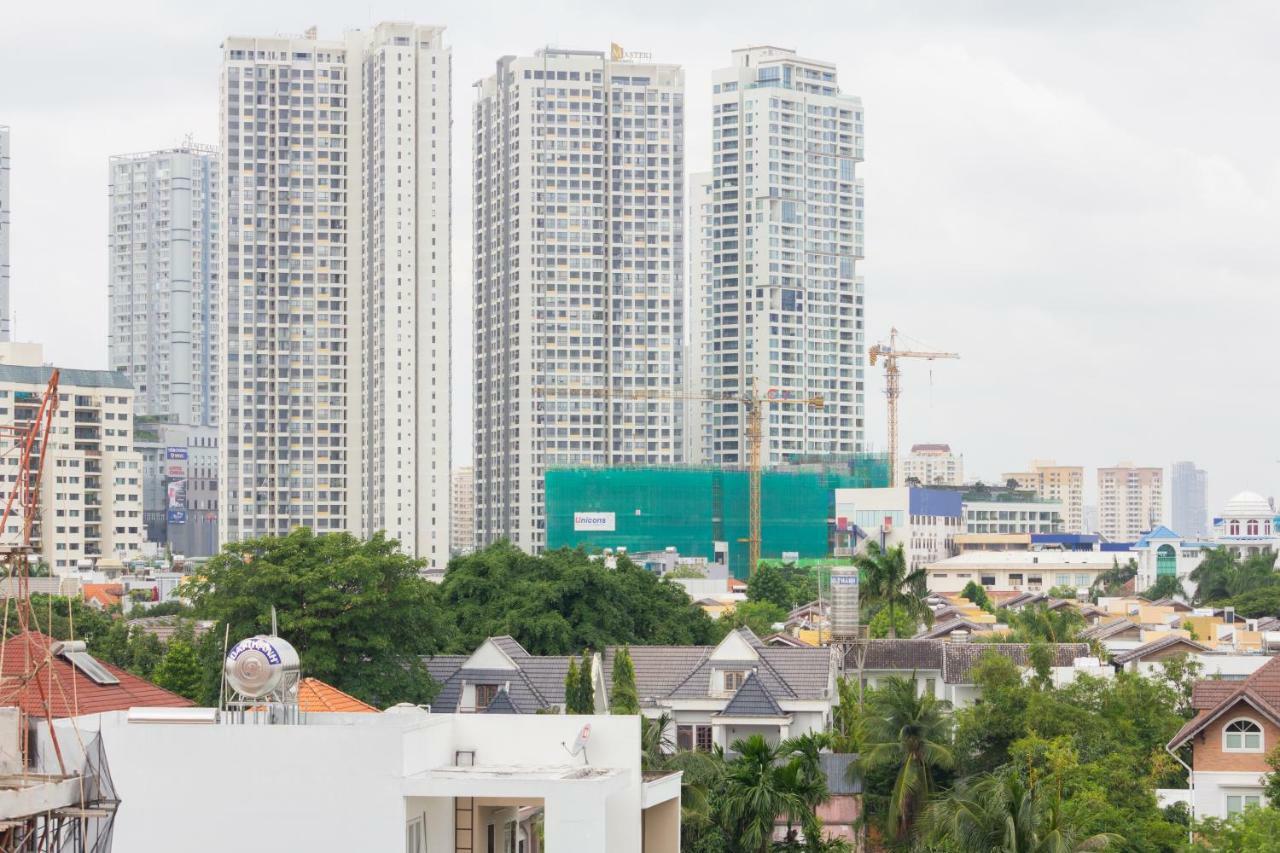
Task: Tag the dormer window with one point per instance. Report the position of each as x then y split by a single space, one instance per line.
1242 736
733 679
484 695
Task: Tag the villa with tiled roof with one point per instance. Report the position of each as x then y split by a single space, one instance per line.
1236 724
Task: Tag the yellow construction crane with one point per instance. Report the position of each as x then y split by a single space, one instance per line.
753 403
893 387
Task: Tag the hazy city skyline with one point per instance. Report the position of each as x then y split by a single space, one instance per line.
1079 204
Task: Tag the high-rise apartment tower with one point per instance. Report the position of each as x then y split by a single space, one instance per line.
162 285
336 181
785 313
1130 501
578 267
1190 499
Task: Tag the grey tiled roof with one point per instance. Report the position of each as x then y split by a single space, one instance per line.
954 660
943 629
752 700
898 655
1157 645
502 704
960 658
512 648
685 671
1106 630
536 684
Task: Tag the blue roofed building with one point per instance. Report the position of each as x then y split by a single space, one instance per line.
924 521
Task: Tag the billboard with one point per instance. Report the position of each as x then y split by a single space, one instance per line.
603 521
175 453
176 503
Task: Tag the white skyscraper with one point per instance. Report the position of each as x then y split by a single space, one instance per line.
696 427
336 286
579 255
1190 511
5 327
785 311
162 288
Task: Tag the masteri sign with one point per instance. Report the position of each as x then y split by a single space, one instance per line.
583 521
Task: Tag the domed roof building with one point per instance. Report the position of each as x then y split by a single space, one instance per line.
1247 525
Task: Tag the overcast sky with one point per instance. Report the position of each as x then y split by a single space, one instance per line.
1082 199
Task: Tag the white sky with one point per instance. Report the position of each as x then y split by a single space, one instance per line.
1083 199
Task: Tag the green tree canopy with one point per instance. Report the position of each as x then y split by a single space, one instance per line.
977 594
768 584
562 601
759 616
902 626
179 670
358 612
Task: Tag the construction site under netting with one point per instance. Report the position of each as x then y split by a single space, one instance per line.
696 510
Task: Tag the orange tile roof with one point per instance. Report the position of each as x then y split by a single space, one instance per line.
106 594
1211 699
314 696
69 691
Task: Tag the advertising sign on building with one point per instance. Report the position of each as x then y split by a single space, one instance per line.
176 504
175 453
177 471
594 521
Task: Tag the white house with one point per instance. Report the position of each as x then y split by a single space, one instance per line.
405 779
718 694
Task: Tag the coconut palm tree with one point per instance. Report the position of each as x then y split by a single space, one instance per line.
1113 579
909 730
887 582
756 792
1000 813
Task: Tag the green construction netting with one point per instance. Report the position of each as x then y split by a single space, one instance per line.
690 509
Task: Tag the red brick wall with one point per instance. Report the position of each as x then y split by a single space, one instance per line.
1207 751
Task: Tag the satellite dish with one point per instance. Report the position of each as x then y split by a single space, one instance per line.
580 743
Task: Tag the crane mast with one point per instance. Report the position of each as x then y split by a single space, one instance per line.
893 387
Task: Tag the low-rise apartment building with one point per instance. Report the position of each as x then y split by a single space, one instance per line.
1026 571
91 487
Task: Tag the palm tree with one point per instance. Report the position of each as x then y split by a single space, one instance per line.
1214 575
700 770
887 582
756 793
1166 586
1000 813
1038 622
1113 579
909 730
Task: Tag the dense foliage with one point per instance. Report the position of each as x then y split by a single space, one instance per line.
622 690
563 601
1251 585
358 612
785 585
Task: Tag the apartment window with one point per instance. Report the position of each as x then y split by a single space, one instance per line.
694 737
484 695
1242 736
1238 802
987 580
